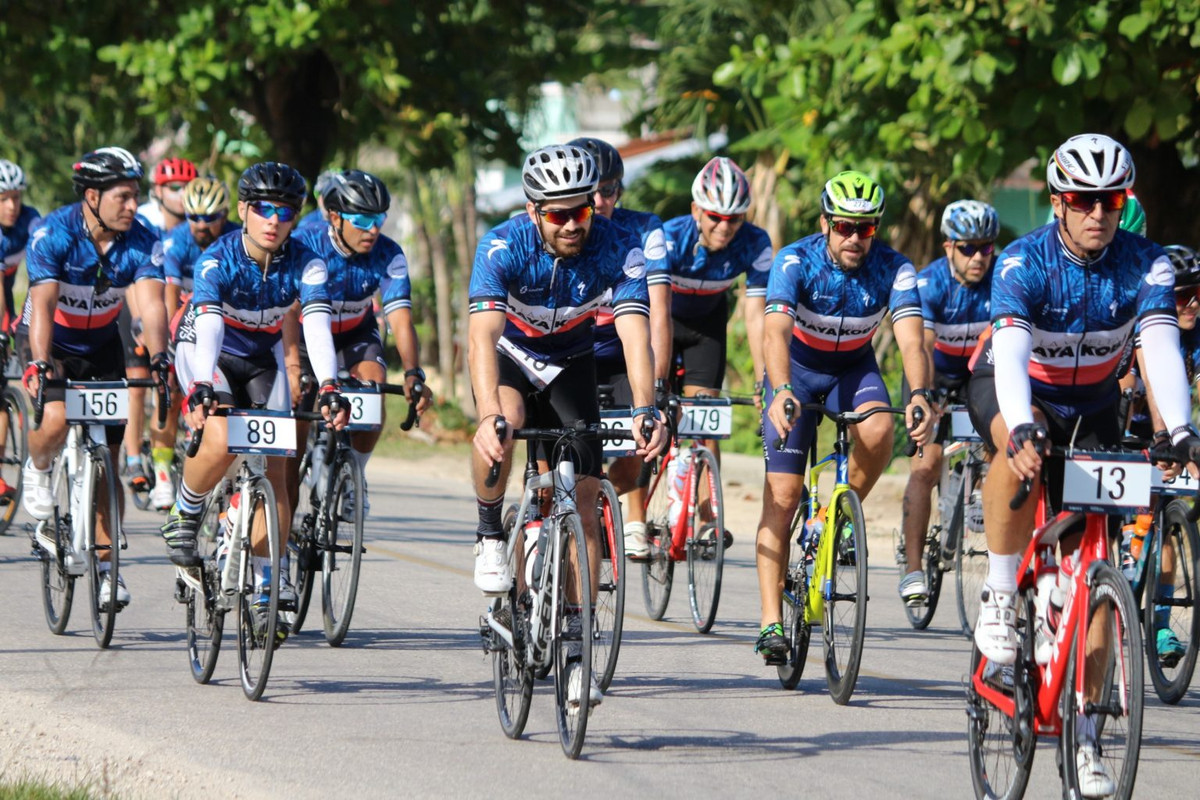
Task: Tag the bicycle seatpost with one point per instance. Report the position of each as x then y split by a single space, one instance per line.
789 411
493 476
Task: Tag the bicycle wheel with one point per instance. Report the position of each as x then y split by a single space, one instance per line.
58 584
142 499
971 558
1170 603
105 511
204 616
846 601
511 676
1114 669
796 628
304 559
999 745
15 444
705 540
572 648
257 639
341 557
658 571
609 617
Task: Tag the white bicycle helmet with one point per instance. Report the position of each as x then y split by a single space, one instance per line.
721 187
12 177
557 171
1090 162
970 221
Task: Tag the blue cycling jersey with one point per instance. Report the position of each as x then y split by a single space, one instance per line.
649 228
180 253
230 283
354 279
89 297
551 303
699 277
837 311
1081 316
956 313
313 219
12 249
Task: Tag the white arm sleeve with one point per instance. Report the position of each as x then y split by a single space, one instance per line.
318 340
210 333
1012 347
1167 377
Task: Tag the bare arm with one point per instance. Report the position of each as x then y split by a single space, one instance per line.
43 299
661 330
149 294
483 332
776 341
755 314
634 332
910 336
172 294
409 348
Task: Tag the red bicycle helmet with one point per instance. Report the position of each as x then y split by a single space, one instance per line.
174 170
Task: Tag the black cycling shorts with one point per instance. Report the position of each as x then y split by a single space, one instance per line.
103 364
701 343
570 396
611 372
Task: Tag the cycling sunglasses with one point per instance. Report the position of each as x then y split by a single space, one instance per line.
1187 296
1085 201
846 229
268 210
730 218
969 250
609 189
561 216
206 217
364 222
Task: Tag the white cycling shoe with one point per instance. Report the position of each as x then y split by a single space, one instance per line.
575 689
37 498
996 628
492 572
1094 780
162 496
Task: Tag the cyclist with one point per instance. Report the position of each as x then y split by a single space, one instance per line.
317 218
361 260
706 252
80 263
955 301
162 214
1065 300
16 223
610 360
206 208
535 289
827 294
229 351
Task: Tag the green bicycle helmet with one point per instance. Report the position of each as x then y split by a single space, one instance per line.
852 194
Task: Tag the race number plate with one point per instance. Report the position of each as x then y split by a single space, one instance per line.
1183 485
705 418
262 433
97 403
961 429
618 419
366 409
1105 485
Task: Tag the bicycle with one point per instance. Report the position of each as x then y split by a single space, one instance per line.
1008 709
331 490
252 517
87 504
954 539
691 525
14 443
826 578
534 624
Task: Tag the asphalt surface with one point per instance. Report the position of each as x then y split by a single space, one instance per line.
405 707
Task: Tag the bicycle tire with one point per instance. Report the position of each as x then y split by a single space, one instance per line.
793 616
997 773
341 556
1118 731
511 675
846 608
204 617
609 616
970 561
658 570
16 444
58 584
705 541
1171 681
103 492
572 649
257 647
304 559
142 499
920 616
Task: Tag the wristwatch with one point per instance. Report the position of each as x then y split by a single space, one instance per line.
420 373
923 393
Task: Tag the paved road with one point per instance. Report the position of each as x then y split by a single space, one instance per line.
406 706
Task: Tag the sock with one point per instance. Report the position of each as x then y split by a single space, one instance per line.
161 456
262 571
1162 614
189 501
133 462
489 518
1002 571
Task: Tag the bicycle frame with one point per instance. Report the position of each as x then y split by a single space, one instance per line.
820 588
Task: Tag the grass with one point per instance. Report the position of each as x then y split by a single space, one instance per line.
28 789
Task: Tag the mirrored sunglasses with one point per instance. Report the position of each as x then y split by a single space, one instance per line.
1086 201
268 210
364 222
733 219
561 216
205 217
846 229
969 250
607 190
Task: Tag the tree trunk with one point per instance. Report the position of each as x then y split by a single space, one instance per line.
297 106
1165 187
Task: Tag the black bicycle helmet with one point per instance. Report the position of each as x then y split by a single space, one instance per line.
270 180
1184 261
353 191
608 160
102 168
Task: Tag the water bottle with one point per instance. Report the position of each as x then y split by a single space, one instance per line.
533 532
1141 526
233 547
1047 604
677 489
317 465
1128 562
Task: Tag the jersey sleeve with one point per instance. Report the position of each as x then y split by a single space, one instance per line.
173 251
314 283
654 247
927 288
488 289
1016 289
758 274
150 264
630 294
905 300
1156 294
395 287
208 283
44 256
782 283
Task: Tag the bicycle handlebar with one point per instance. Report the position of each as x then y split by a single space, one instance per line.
44 383
1026 487
850 418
